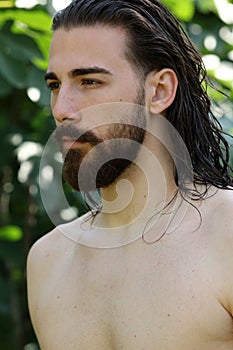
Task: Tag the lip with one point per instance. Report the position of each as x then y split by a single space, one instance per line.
69 143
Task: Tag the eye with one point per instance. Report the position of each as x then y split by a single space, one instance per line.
53 85
90 82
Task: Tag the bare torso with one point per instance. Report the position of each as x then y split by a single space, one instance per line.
171 295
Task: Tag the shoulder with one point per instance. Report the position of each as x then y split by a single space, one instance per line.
217 206
53 245
43 248
47 256
219 224
217 217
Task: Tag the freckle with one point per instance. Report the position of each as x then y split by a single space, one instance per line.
121 99
58 297
75 307
168 315
135 336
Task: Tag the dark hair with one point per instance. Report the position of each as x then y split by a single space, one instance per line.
156 41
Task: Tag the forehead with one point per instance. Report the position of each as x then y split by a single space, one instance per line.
87 46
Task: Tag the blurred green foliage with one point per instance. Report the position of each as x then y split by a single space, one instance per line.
26 124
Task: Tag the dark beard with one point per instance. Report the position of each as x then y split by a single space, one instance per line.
107 159
103 167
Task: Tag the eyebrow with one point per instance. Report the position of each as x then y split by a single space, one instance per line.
79 72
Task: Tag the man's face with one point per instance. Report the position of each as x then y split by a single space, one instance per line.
87 68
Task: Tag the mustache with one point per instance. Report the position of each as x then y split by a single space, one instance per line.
75 134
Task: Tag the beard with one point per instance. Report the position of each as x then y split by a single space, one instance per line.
106 159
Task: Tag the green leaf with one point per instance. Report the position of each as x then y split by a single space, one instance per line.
19 45
183 10
13 70
5 87
206 6
37 20
11 233
43 42
36 79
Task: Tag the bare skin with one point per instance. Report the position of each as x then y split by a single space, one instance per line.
174 294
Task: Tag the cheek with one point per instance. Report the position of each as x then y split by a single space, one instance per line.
52 101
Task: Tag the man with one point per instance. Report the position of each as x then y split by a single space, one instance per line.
125 77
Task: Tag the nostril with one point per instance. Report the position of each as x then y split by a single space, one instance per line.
67 119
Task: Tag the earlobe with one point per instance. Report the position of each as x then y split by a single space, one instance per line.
162 87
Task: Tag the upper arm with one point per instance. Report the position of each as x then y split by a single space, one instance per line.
34 263
37 274
224 246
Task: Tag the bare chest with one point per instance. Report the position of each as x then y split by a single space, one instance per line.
153 301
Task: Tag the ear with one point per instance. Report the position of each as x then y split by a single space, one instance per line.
161 87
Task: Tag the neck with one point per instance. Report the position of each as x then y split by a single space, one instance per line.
142 190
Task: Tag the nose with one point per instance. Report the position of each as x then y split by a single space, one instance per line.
64 106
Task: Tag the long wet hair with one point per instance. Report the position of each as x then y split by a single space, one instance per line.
156 40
